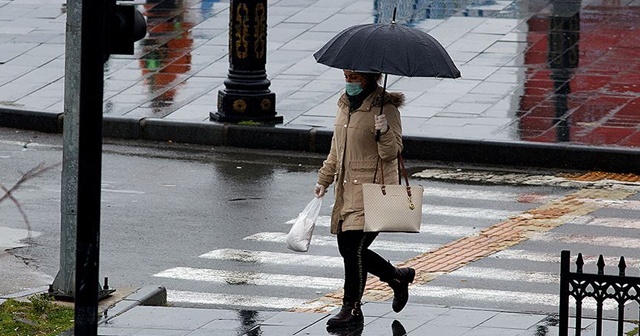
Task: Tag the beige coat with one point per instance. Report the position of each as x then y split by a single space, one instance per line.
354 153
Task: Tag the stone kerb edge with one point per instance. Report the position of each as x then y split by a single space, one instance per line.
41 121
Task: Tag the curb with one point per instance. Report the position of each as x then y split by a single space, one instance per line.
47 122
145 296
26 292
503 153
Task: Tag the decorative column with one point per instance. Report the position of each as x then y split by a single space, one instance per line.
246 96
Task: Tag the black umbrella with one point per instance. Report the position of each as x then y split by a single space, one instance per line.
387 48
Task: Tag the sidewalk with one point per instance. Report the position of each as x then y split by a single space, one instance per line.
523 99
143 312
418 320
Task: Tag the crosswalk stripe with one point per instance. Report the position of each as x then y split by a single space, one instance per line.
491 214
505 275
442 210
227 300
281 237
265 257
486 195
515 254
473 294
250 278
429 228
609 241
618 223
615 204
486 276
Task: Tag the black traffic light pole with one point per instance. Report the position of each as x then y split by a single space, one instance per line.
106 29
92 51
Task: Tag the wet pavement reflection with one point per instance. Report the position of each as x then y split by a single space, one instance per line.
558 71
169 43
555 71
249 323
582 80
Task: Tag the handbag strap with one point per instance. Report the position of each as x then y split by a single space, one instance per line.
402 172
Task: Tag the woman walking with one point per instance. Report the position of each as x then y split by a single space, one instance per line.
353 160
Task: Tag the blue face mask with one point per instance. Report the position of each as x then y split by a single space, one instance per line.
353 89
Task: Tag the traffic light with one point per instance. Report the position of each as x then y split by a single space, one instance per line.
125 25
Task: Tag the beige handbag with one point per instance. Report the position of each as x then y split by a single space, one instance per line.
392 208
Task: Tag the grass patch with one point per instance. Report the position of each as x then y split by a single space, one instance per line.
38 317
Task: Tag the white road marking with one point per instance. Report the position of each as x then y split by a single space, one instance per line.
281 237
250 278
505 275
115 191
515 254
618 223
525 256
433 229
614 204
442 210
264 257
487 195
610 241
468 271
229 300
489 295
478 213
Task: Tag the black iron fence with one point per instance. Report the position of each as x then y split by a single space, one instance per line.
598 286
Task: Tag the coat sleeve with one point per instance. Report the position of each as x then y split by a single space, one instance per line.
326 174
391 142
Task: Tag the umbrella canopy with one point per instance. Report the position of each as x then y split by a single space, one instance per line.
387 48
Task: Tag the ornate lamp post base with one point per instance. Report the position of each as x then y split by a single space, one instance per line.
246 97
236 107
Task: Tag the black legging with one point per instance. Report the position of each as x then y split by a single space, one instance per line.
358 261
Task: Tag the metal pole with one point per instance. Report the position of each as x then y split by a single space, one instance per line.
64 283
565 268
89 167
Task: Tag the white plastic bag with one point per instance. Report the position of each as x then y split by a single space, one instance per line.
300 234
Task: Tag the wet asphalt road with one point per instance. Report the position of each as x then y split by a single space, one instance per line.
165 205
159 203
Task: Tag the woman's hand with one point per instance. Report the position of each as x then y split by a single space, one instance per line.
381 123
319 190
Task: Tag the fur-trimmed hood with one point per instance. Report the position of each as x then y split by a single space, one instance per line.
397 99
394 98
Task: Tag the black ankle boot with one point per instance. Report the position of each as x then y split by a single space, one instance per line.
402 277
350 316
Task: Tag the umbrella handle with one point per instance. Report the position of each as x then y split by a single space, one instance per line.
384 89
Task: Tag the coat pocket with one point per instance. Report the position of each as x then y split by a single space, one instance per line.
362 171
359 172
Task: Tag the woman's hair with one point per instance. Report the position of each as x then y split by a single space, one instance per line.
372 78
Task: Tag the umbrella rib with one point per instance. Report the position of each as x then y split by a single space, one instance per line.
428 56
